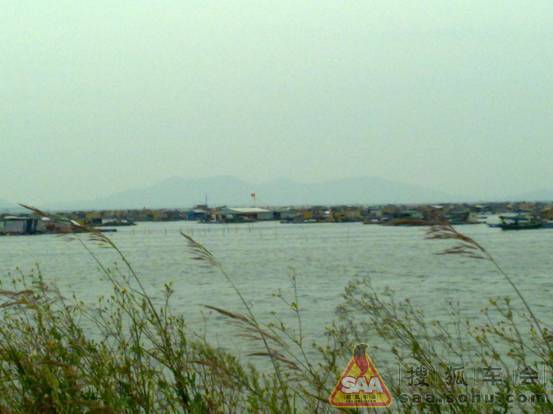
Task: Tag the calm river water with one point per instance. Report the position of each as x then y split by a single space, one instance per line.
324 256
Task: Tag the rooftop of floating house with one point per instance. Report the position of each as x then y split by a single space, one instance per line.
247 210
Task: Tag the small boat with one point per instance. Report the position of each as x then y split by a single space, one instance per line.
372 221
520 222
116 223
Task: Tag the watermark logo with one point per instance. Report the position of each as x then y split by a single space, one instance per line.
360 385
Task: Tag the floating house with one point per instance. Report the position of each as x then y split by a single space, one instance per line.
288 214
19 225
200 212
243 214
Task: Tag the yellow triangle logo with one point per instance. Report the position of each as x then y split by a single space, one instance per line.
360 385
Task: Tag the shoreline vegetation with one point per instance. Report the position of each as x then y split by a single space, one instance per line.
143 357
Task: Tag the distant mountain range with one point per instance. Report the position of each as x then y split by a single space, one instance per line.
226 190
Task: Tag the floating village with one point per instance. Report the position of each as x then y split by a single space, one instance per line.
505 215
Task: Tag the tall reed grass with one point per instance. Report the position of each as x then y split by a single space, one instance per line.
129 354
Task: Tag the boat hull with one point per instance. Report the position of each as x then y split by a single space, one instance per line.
520 227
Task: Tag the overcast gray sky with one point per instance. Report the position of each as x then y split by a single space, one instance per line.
102 96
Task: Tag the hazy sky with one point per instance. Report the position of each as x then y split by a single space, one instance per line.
102 96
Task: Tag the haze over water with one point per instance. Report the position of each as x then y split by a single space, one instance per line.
101 97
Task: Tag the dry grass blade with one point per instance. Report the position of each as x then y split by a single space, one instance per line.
35 210
200 252
252 330
470 248
76 227
203 254
12 294
278 356
204 362
14 303
95 235
463 250
259 334
22 297
229 314
99 237
42 213
466 246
